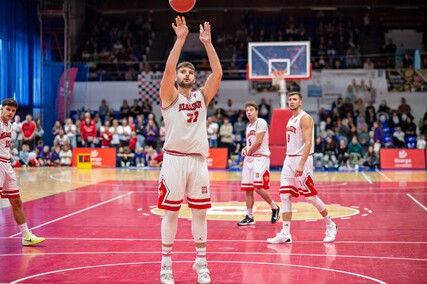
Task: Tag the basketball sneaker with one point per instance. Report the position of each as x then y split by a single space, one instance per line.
203 272
331 233
31 239
280 238
275 215
247 221
166 276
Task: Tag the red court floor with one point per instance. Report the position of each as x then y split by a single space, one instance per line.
105 228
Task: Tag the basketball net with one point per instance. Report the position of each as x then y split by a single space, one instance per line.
280 81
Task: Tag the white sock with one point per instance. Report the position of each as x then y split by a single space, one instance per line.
286 229
24 229
273 205
166 255
249 212
328 220
201 255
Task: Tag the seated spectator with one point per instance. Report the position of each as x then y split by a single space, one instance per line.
399 138
103 109
355 152
106 136
394 119
404 108
126 157
342 153
150 153
409 127
65 156
371 159
319 149
45 157
238 147
423 127
140 157
406 61
421 142
70 130
88 131
157 161
125 110
330 158
151 133
110 115
56 160
132 142
56 127
24 157
14 156
124 132
61 139
33 156
383 107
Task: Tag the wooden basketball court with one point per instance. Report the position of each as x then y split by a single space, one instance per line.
102 226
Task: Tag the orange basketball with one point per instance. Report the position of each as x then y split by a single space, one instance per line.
182 6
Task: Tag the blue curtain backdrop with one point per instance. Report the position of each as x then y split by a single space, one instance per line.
19 52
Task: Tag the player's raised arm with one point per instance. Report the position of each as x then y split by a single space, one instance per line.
214 79
168 92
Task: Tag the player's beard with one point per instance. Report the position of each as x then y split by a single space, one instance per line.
185 85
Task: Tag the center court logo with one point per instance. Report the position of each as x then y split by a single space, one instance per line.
233 211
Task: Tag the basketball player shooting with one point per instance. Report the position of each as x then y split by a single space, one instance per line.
297 172
185 170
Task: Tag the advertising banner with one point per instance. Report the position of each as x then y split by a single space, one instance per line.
217 158
100 157
407 80
403 159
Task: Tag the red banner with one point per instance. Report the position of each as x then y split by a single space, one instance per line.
217 158
63 99
403 159
101 157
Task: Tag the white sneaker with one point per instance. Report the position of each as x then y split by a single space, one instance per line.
166 276
331 233
202 271
280 238
31 239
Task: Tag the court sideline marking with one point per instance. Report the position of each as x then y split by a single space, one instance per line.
77 212
416 201
383 175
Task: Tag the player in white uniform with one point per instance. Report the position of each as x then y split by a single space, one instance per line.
297 172
8 184
184 170
256 167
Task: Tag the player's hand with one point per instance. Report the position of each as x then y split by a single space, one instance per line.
244 152
299 170
180 28
205 33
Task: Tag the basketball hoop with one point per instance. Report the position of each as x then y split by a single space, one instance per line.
278 77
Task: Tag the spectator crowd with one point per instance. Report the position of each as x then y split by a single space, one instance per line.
349 134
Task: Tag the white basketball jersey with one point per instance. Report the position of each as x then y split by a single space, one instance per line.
294 137
260 125
5 138
185 124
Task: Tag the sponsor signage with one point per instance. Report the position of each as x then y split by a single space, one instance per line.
403 158
100 157
217 158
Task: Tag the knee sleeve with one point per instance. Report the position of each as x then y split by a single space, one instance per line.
169 226
320 206
199 226
286 202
